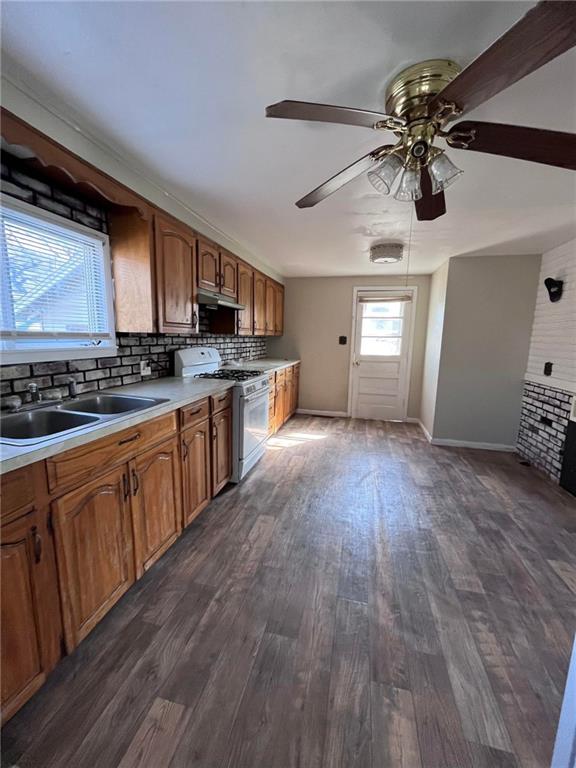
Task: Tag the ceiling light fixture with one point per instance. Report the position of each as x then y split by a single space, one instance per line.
386 253
383 177
443 172
409 188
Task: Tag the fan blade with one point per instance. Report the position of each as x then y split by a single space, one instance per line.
545 32
326 113
533 144
348 174
430 206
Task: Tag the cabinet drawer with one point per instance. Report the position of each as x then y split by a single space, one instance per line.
219 402
272 379
17 490
193 414
73 467
281 376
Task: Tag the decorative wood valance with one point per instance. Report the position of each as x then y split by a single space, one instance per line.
64 166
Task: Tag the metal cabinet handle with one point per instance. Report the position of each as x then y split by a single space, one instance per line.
129 439
184 450
37 539
193 413
135 482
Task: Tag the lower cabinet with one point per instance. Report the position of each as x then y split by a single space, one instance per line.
156 510
30 611
196 475
94 546
221 449
284 396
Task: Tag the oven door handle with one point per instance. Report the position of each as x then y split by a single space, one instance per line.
256 396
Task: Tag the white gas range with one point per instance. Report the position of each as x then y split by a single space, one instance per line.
250 403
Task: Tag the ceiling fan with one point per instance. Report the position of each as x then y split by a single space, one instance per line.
427 96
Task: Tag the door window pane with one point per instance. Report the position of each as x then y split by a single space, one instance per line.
385 309
381 326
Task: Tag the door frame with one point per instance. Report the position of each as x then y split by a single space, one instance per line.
402 289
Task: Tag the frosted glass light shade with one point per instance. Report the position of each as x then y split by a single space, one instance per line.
409 187
443 172
383 176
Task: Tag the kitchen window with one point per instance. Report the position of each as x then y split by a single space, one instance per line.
56 288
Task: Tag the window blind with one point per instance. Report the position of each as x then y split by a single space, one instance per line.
55 293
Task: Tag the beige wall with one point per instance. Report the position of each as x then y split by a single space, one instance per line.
437 303
484 349
317 311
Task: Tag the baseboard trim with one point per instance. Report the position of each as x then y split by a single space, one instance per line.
312 412
447 443
414 420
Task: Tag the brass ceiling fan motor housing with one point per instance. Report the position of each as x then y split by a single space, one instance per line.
408 94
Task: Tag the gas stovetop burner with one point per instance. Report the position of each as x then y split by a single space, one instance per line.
230 374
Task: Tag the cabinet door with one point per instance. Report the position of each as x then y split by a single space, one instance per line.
94 545
175 276
245 297
279 310
279 405
156 510
259 304
208 266
196 476
24 663
228 275
270 307
221 449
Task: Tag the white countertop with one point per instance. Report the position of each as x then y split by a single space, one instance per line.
179 392
265 364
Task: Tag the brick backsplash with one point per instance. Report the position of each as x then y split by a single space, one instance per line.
124 368
540 442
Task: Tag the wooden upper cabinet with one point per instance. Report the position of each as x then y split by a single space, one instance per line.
208 266
259 304
270 306
132 251
175 247
221 449
156 511
279 310
228 275
94 546
246 297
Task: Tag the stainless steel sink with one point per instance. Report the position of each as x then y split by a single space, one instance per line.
110 404
45 421
35 426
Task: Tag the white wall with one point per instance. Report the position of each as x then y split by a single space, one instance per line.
554 328
317 311
438 287
477 349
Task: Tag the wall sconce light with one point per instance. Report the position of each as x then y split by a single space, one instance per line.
554 288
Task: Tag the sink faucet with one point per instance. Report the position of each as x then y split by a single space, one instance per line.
35 395
72 390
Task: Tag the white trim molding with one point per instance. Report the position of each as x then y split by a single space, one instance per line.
312 412
447 443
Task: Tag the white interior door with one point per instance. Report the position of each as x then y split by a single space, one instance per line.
381 354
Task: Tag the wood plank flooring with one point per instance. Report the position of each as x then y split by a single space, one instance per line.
362 600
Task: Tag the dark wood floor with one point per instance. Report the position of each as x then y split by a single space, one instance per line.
362 599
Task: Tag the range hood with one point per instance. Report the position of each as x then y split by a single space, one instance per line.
214 300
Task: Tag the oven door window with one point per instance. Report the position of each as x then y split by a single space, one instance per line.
255 422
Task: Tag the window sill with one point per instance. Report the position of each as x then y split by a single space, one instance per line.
53 355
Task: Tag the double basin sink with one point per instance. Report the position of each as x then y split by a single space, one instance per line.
28 427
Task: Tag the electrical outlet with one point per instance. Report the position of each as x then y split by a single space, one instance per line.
145 369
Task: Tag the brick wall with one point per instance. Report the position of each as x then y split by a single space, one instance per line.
543 424
99 373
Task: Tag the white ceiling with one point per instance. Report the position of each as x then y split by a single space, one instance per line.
180 89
